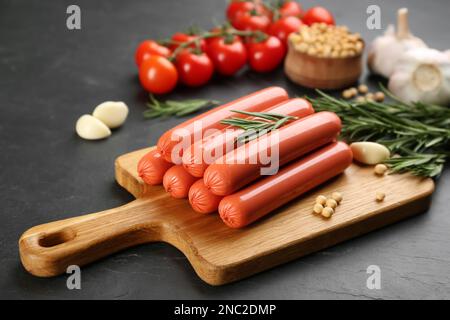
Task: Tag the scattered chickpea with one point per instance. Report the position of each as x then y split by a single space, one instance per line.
353 91
370 96
360 99
379 96
321 200
327 212
337 196
331 203
362 88
318 208
346 94
380 196
349 93
380 169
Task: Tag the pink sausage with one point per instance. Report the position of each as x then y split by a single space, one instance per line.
202 153
243 165
254 202
190 131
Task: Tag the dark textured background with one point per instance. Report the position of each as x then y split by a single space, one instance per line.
49 76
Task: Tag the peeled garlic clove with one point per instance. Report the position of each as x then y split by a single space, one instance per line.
90 128
369 152
111 113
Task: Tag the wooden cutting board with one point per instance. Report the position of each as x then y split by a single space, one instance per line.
217 253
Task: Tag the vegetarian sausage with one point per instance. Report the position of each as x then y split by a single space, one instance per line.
201 199
241 166
251 203
177 182
201 153
152 167
190 131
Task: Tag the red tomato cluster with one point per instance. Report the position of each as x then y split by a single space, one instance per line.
258 37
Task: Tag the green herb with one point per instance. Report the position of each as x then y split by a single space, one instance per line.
418 133
419 164
169 108
260 124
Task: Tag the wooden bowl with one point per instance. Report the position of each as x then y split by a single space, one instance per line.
322 73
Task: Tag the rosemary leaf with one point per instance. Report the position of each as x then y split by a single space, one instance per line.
260 124
170 108
418 133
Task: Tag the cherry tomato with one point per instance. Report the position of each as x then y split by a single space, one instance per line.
265 55
251 20
216 30
283 27
228 57
158 75
290 8
316 15
235 6
147 48
183 37
194 69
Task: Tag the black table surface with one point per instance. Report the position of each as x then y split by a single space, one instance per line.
50 75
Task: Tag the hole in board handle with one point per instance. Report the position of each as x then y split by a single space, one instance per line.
55 238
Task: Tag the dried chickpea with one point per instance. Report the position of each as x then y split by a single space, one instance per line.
321 200
318 208
327 212
379 96
335 54
360 99
380 196
302 47
337 196
362 88
347 94
359 46
370 96
331 203
312 51
344 54
380 169
342 43
353 91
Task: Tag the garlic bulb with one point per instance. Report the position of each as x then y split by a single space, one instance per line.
111 113
386 50
90 128
423 75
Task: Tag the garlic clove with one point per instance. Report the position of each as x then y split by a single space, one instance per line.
369 152
111 113
422 74
90 128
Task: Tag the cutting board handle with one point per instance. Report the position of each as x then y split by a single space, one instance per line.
47 250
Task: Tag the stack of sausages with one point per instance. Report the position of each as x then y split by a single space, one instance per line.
217 174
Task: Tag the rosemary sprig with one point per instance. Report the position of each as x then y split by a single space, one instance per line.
258 125
169 108
418 133
419 164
